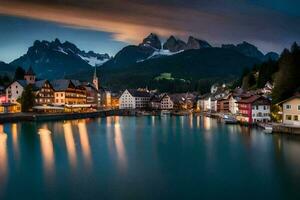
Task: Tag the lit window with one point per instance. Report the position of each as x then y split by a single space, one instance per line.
296 118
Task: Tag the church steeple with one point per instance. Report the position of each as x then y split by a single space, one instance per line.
95 79
30 76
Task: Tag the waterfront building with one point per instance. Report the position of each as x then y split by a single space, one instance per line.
105 97
67 93
291 110
233 106
132 99
44 92
183 101
161 102
254 109
92 94
14 90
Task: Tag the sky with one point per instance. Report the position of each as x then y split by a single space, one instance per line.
105 26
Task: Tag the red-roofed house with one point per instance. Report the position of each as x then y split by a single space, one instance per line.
254 109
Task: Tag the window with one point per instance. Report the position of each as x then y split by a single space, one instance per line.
298 107
296 118
288 107
288 117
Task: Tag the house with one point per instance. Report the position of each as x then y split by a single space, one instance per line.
132 99
291 110
14 90
161 102
67 93
223 104
183 101
10 107
92 94
254 109
233 106
44 92
105 97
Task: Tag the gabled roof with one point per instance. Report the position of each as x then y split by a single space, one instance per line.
61 84
296 96
138 93
252 99
158 98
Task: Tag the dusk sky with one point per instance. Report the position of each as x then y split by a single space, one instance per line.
105 26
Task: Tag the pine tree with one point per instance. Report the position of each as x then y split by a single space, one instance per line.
19 73
27 99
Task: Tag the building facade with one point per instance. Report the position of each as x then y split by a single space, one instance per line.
14 90
66 93
254 109
134 99
291 110
44 93
161 102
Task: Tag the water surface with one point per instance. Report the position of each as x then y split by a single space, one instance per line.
146 158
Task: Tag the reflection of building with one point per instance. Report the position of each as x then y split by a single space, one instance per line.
161 102
131 99
291 110
254 109
44 93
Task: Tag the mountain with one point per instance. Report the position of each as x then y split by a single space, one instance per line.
194 43
251 51
49 58
174 45
186 69
6 69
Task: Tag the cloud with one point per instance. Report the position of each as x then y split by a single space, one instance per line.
131 20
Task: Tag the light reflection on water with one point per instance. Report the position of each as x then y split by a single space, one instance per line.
47 149
3 156
85 144
70 144
124 144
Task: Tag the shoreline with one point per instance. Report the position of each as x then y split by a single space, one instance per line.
36 117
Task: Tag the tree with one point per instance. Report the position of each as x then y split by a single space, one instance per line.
19 73
287 80
27 99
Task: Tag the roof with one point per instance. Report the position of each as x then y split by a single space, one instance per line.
296 96
61 84
252 99
39 84
30 71
23 83
138 93
158 98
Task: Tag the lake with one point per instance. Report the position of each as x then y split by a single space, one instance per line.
146 158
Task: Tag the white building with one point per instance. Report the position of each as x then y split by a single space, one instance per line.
14 90
132 99
233 106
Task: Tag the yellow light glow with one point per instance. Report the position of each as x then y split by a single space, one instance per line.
70 144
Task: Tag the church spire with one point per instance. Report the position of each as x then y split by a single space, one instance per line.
95 79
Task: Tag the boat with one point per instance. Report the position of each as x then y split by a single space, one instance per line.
165 112
268 129
229 119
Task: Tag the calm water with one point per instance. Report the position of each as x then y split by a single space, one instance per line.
146 158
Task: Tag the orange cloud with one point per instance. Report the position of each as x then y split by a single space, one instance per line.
123 26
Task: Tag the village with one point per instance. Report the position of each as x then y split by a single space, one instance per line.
253 107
